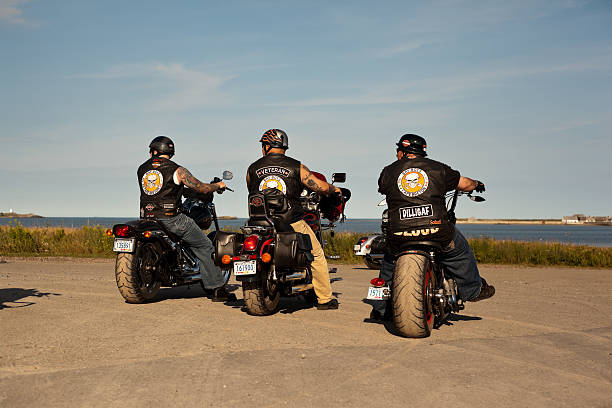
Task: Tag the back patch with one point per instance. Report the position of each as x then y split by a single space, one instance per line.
418 211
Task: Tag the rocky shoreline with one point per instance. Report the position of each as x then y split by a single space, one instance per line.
15 215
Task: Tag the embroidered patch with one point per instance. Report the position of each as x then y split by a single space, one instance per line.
412 182
417 211
273 182
152 181
265 171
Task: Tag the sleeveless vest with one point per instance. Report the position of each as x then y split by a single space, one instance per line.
283 173
160 197
415 191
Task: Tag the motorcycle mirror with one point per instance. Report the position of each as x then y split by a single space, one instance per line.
383 202
478 199
228 175
338 177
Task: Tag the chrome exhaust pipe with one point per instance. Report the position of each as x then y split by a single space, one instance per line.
295 276
301 288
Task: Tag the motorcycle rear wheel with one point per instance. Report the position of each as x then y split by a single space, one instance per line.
135 281
412 294
257 299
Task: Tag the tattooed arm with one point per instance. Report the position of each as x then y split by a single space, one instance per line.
315 184
185 177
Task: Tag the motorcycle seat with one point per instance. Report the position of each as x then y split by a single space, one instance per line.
433 244
152 225
279 224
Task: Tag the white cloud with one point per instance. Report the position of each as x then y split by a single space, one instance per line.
11 13
446 88
180 88
402 48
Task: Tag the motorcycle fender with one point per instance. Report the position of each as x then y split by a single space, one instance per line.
249 278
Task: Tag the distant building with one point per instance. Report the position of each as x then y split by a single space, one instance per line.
598 219
584 219
574 219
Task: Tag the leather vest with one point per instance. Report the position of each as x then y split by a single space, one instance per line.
415 191
160 197
283 173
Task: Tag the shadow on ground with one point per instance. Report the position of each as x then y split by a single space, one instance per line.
14 295
188 292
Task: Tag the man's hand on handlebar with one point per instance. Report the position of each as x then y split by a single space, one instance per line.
221 187
480 187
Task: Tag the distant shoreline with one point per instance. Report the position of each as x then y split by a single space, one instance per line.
473 221
525 222
15 215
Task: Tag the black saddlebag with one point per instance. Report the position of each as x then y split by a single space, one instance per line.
293 250
225 244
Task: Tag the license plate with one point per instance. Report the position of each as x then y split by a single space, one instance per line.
124 245
357 248
381 293
245 268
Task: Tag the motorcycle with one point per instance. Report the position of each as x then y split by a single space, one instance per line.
269 258
422 296
149 256
372 247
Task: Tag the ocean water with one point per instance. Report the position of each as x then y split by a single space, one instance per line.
576 234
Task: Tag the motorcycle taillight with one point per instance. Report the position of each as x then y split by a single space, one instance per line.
377 282
123 231
250 243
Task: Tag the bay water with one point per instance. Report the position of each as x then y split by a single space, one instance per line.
593 235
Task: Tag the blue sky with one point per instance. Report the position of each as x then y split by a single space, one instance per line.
517 94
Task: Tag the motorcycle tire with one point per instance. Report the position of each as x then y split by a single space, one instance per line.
412 296
133 274
257 299
370 263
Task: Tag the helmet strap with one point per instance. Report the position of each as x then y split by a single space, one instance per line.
267 148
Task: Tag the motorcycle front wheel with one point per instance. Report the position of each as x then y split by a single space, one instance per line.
258 300
135 274
412 296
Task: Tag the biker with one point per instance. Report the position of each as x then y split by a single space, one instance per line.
161 187
415 189
276 170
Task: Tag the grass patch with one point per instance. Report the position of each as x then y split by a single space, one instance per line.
92 242
84 242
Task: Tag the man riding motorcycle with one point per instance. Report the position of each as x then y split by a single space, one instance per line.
161 186
276 170
415 189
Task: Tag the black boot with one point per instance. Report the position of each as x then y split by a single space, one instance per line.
221 294
486 291
332 304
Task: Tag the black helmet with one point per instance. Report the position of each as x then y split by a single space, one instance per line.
414 144
275 138
163 145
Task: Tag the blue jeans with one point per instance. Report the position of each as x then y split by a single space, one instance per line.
189 232
458 262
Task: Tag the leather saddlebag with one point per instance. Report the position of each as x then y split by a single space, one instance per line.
225 243
293 250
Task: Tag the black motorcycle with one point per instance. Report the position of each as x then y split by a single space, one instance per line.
422 296
149 256
269 258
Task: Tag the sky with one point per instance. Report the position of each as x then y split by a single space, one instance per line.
517 94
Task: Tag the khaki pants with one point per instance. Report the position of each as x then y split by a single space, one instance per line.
320 271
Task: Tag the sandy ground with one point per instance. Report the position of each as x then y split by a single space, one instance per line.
68 339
